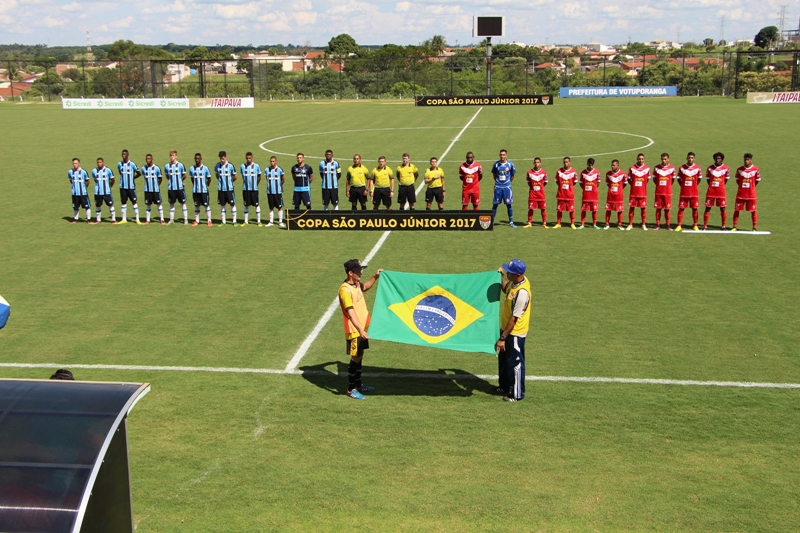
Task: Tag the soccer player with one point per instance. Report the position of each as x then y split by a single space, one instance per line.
79 179
747 178
566 177
638 176
407 174
357 176
434 177
717 176
176 173
503 172
226 175
590 181
381 184
251 177
471 173
128 172
537 179
302 175
274 177
103 181
688 178
201 179
330 172
663 175
152 189
616 179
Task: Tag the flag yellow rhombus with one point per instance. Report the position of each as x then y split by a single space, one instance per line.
436 314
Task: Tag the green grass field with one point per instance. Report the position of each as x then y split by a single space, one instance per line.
277 452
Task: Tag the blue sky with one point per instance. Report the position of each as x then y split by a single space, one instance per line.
210 22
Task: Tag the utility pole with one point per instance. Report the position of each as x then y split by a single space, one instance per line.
488 66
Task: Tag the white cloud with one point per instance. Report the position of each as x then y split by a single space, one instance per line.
74 6
52 22
402 7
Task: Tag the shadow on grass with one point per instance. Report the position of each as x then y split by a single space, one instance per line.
332 376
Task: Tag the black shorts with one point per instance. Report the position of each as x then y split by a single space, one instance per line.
152 198
330 196
177 196
275 201
434 192
355 347
382 194
100 198
301 197
226 197
250 198
200 198
406 193
80 201
127 195
357 195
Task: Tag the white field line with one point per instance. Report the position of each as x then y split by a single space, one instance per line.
413 375
329 312
718 232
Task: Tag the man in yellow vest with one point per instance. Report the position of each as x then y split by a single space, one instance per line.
515 314
356 322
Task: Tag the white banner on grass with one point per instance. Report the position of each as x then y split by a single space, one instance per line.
157 103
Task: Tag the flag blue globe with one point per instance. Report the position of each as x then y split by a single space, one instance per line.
435 315
5 311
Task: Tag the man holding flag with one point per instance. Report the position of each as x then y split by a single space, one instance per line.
515 313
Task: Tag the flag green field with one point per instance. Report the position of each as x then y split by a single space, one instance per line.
450 311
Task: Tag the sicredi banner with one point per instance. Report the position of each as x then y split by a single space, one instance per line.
791 97
617 92
158 103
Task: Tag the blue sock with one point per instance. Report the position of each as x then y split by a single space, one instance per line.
510 214
494 211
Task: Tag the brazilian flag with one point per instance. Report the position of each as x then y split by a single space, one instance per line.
450 311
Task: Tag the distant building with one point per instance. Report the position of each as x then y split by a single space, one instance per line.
661 44
600 47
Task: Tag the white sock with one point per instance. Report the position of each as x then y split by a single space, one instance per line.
185 216
113 214
124 211
233 214
197 215
258 214
246 215
208 214
336 208
97 213
147 217
75 216
136 211
172 212
222 210
271 216
280 216
161 213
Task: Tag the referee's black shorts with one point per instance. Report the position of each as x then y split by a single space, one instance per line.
434 193
382 194
357 195
406 193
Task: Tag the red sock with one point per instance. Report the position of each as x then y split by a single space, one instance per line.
558 217
755 219
572 217
705 218
630 216
658 217
530 216
667 216
464 207
608 217
694 216
583 218
735 218
594 218
619 218
544 217
680 216
644 216
474 207
724 215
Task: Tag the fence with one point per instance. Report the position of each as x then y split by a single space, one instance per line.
383 76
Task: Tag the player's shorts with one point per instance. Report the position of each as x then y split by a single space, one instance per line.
177 196
275 201
226 197
537 204
301 197
638 202
745 205
692 202
330 196
100 198
200 198
565 205
357 195
432 193
152 198
619 207
503 195
127 195
589 206
471 197
716 202
356 346
250 198
80 201
663 202
406 193
382 194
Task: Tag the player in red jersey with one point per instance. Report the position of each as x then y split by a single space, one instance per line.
566 177
747 178
537 179
590 181
616 179
638 176
471 173
663 175
717 176
688 177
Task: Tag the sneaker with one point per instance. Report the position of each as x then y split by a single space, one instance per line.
512 225
169 222
678 228
545 226
695 228
354 394
281 225
510 399
528 225
606 227
597 227
123 221
557 226
734 229
621 228
498 390
630 227
644 227
573 226
657 228
579 227
138 222
366 388
195 224
268 224
210 223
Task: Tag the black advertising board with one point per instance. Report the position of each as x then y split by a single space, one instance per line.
446 101
386 220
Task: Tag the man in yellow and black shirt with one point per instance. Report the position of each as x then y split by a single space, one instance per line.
381 185
357 176
515 313
407 174
434 177
356 322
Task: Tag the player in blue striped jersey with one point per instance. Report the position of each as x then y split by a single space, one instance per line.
201 179
78 180
152 190
128 172
103 181
274 176
176 173
251 177
503 172
226 175
330 172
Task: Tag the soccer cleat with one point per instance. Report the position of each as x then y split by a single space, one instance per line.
557 226
621 228
185 222
545 226
195 223
170 222
644 227
123 221
259 225
354 394
73 221
705 228
366 388
573 226
754 228
696 228
657 228
210 223
498 390
630 227
528 225
146 222
669 228
163 223
510 399
678 228
281 224
138 223
723 228
734 228
512 225
596 226
268 224
113 221
235 225
579 227
607 227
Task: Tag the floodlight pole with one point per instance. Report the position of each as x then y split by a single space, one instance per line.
488 66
